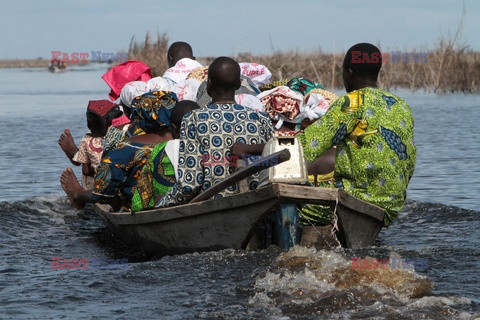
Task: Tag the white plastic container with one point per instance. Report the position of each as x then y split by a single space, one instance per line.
292 171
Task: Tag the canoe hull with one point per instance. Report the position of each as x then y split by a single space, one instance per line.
232 221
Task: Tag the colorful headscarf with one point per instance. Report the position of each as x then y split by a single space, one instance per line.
152 110
118 76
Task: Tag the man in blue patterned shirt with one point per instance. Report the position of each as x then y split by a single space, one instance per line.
207 134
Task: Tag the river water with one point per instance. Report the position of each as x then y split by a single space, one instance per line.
438 226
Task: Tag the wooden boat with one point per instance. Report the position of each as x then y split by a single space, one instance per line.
232 222
55 68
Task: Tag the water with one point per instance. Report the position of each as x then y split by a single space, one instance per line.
439 224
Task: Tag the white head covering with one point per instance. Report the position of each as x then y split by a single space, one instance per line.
259 74
132 90
158 84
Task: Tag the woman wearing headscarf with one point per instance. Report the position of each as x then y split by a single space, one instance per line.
138 170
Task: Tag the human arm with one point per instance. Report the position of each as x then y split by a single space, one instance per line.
323 164
238 149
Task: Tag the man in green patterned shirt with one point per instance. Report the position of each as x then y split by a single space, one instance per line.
373 132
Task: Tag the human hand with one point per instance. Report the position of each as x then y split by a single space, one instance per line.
238 149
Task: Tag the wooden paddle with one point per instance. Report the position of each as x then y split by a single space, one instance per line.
263 163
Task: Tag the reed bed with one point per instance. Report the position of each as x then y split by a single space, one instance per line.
448 68
24 63
152 51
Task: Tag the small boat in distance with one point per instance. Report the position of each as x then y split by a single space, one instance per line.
57 66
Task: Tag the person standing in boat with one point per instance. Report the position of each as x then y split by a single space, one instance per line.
207 134
373 132
138 169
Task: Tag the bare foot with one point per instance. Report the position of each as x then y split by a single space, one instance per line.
72 187
67 144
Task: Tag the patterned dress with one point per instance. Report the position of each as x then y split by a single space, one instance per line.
206 136
376 153
137 172
90 150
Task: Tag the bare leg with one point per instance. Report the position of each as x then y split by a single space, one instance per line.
72 188
67 144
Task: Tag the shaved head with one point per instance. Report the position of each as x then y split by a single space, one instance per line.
361 66
224 74
364 59
177 51
181 108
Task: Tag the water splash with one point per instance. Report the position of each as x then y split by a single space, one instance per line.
305 283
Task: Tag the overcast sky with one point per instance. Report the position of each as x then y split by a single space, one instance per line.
31 29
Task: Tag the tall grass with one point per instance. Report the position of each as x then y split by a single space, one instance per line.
24 63
451 67
152 51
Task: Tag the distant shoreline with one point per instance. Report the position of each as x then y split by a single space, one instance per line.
29 63
444 69
24 63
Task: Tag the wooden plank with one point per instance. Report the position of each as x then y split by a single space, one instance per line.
361 206
357 230
307 194
263 163
192 209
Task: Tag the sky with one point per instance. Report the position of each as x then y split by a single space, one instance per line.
32 29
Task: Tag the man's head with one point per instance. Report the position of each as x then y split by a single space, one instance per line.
223 78
177 51
181 108
361 66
